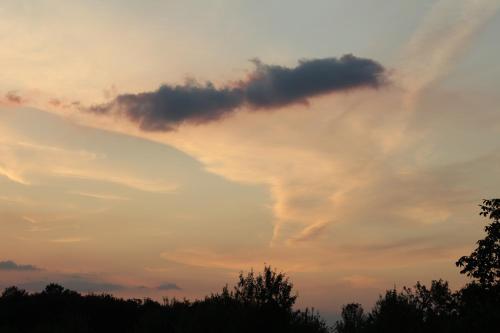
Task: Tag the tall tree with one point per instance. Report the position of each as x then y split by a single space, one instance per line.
483 263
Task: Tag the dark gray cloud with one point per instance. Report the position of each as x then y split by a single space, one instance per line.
79 284
267 87
9 265
170 106
168 286
273 86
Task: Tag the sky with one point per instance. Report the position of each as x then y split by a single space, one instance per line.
158 148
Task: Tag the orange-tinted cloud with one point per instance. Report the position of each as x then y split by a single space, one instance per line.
13 97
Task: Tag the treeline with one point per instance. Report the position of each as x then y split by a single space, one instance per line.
475 308
264 303
258 303
437 309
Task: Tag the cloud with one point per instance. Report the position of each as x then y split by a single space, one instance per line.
16 164
76 283
330 165
168 286
13 98
170 106
360 281
356 152
238 260
68 240
206 258
445 32
267 87
18 200
9 265
30 219
54 102
311 232
274 86
39 278
142 184
100 196
393 246
25 162
13 176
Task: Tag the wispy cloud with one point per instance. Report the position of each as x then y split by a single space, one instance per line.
18 200
442 36
360 281
67 240
146 185
31 219
15 166
86 155
49 160
101 196
310 232
237 260
13 176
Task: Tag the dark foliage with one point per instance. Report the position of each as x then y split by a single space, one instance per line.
258 303
484 263
437 309
474 308
353 319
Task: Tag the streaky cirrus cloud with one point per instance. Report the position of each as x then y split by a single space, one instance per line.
310 232
10 265
267 87
24 161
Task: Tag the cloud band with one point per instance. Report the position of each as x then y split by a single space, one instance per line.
267 87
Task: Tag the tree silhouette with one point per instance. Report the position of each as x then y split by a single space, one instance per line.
422 309
483 263
14 292
267 288
436 301
53 289
258 303
353 319
396 312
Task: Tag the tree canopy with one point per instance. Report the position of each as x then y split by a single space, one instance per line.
483 263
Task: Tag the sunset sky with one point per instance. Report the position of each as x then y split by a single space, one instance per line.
158 148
